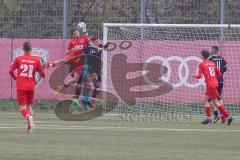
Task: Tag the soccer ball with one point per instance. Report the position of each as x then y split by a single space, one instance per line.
81 26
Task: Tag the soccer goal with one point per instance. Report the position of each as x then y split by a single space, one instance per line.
149 67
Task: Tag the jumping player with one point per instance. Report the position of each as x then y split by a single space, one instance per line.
93 60
211 73
26 66
75 48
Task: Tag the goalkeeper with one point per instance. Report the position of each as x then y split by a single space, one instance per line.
222 66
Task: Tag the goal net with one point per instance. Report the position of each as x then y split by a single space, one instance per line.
149 67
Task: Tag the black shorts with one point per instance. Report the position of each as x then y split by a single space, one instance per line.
99 77
83 75
80 79
220 87
97 70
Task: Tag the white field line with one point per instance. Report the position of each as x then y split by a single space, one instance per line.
62 127
106 116
18 112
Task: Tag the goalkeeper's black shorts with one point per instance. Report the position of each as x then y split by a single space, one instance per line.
220 87
97 70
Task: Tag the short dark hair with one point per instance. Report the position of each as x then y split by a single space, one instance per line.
215 48
73 30
205 54
27 47
93 38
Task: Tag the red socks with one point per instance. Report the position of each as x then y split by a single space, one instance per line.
223 111
208 111
24 113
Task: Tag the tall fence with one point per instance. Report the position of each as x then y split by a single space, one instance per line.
54 18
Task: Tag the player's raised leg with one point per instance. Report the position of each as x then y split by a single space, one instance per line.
68 83
77 72
55 63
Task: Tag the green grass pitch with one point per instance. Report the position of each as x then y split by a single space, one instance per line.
113 139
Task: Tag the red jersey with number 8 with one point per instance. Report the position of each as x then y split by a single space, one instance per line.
210 72
26 66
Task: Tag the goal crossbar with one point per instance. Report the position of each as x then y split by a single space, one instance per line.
172 25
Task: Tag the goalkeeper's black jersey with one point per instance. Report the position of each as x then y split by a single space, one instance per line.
93 51
92 57
221 65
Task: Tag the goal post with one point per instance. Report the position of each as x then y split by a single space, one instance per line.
149 67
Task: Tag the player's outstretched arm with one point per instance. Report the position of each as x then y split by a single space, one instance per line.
105 46
95 46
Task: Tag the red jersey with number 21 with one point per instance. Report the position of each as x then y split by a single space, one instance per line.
210 72
26 66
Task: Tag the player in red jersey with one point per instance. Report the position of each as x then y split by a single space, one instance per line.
211 73
75 49
26 66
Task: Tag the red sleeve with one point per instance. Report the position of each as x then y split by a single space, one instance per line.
40 69
70 45
199 74
12 68
218 73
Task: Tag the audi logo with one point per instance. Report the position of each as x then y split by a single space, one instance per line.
183 66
